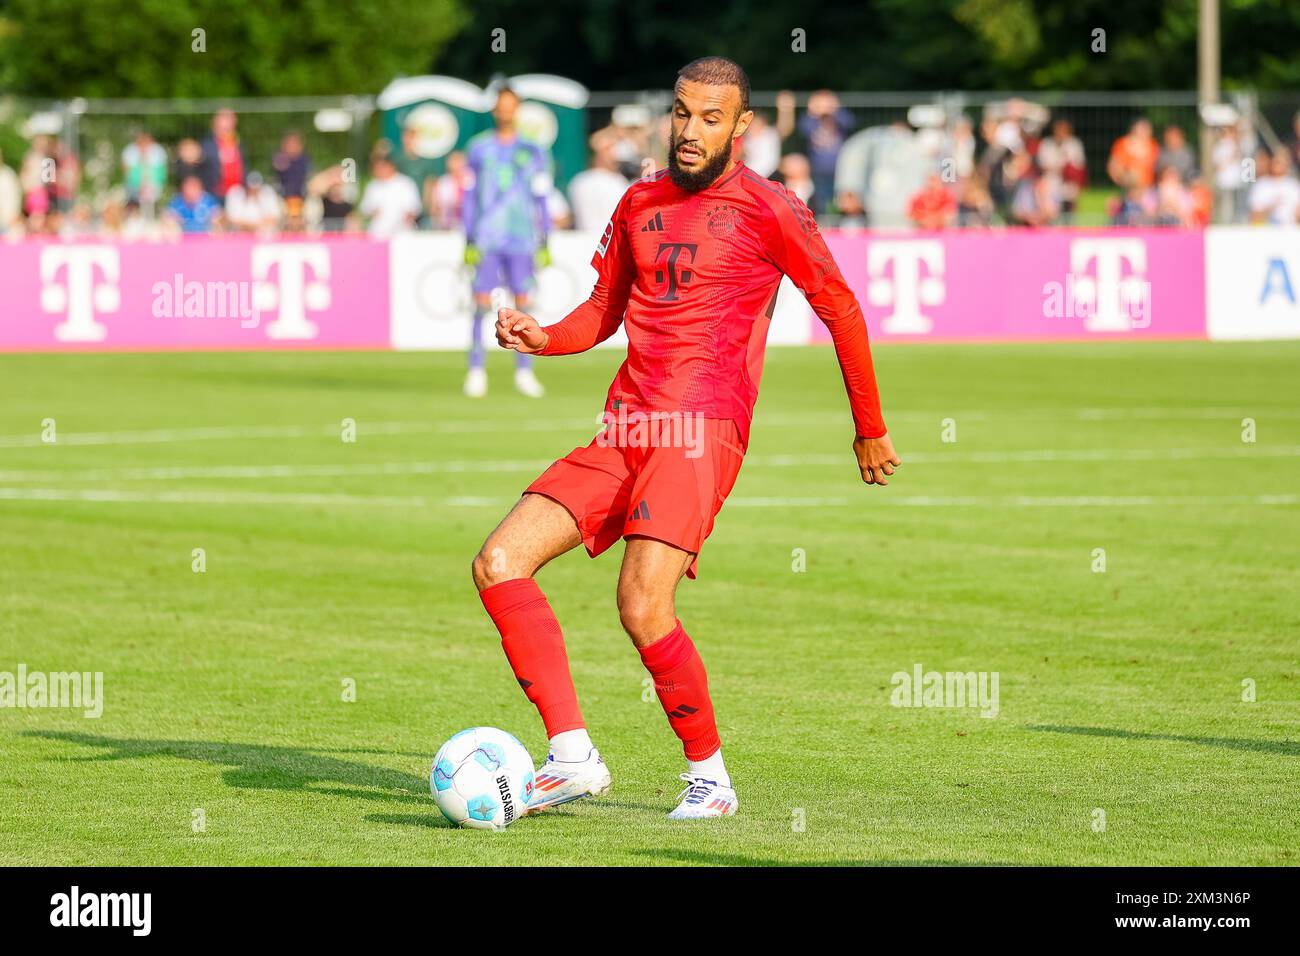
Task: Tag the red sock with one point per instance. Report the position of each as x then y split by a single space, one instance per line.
683 690
534 645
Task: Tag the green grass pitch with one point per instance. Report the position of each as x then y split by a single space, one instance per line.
1124 733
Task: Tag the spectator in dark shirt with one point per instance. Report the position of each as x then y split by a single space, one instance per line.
223 156
1175 154
825 127
975 209
292 166
189 161
332 187
1294 145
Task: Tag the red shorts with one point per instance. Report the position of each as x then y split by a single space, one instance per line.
669 490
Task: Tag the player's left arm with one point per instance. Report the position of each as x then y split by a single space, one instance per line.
838 308
801 253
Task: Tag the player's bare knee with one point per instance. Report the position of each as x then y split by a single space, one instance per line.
478 569
643 617
490 567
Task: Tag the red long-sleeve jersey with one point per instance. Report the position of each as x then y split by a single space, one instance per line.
694 277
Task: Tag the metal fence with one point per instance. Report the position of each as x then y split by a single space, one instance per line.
102 129
335 128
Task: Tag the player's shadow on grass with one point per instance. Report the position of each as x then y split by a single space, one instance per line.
261 767
1286 748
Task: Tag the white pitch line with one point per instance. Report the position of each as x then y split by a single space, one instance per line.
229 432
774 419
1089 501
479 466
206 433
510 466
118 496
1052 455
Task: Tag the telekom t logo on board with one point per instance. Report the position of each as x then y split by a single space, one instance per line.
291 294
906 274
83 283
1117 301
80 282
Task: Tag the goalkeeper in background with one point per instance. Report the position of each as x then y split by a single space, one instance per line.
506 227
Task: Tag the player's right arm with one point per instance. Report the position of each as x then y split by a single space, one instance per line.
596 319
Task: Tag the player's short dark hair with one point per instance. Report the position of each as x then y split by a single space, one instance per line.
718 71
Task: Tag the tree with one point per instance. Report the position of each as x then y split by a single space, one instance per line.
149 48
97 48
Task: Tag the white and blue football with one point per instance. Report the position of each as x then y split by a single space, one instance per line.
482 778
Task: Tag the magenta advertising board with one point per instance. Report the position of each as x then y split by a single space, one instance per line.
1025 285
195 293
339 292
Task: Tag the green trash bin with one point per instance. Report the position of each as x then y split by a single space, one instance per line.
442 112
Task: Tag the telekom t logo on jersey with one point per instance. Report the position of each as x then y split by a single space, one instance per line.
82 283
672 268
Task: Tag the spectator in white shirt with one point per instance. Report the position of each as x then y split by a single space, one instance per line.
253 206
595 192
1061 155
761 147
1229 176
392 200
11 198
1275 198
449 191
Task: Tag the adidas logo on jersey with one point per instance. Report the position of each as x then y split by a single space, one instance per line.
654 224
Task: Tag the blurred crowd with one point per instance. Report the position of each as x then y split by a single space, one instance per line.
196 187
1018 165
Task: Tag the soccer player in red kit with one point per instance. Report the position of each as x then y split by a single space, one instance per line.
689 265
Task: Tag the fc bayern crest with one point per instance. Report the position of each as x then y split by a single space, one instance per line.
722 221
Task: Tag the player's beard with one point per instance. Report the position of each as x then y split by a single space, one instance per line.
694 181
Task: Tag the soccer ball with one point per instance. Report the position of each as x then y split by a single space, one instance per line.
482 778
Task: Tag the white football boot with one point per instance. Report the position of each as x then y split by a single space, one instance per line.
526 383
476 383
559 781
704 798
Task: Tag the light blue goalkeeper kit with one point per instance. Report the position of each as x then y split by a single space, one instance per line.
505 208
505 216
